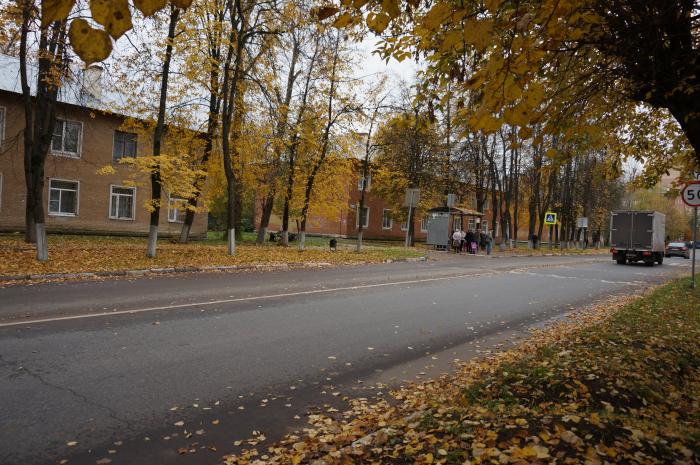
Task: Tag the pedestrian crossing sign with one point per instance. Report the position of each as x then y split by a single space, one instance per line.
550 218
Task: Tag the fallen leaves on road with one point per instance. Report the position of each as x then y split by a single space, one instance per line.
618 383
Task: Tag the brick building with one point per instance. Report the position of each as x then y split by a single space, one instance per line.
87 137
377 218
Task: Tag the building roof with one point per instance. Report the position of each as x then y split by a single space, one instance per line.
73 92
456 211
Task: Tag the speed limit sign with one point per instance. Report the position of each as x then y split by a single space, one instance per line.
691 194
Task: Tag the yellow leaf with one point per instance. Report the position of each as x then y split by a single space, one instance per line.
359 3
90 44
114 15
391 7
377 22
55 10
326 12
149 7
343 20
478 33
183 4
296 459
437 14
429 458
492 5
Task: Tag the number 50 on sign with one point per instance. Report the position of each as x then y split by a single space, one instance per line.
691 194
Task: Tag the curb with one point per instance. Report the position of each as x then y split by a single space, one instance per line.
550 255
184 269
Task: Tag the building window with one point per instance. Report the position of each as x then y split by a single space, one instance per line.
63 197
387 220
471 224
0 192
124 145
2 124
176 209
66 138
361 183
404 225
121 202
424 223
363 217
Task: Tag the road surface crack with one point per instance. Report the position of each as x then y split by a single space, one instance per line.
21 368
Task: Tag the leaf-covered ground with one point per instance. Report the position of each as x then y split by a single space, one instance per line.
618 384
75 254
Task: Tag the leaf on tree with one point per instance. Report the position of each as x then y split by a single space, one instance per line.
149 7
55 10
114 15
326 12
377 22
182 4
343 20
90 44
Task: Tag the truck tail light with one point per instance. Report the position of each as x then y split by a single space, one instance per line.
646 254
613 250
684 248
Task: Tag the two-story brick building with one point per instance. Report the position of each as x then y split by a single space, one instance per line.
87 137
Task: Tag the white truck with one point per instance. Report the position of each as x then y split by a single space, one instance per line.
637 236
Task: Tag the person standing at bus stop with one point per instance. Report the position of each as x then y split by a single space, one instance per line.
457 240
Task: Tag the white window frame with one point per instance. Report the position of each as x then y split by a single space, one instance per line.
424 223
357 218
77 199
3 118
404 225
391 219
361 181
136 145
133 203
176 198
63 153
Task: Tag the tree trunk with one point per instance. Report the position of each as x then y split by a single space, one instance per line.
268 203
156 185
40 119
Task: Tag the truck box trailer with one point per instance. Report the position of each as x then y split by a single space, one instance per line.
637 236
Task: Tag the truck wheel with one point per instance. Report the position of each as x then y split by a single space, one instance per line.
621 261
651 263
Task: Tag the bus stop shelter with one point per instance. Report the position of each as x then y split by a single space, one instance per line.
443 221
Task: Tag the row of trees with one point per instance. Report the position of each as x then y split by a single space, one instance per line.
258 99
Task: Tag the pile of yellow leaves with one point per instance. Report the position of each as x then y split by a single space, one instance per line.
619 383
77 254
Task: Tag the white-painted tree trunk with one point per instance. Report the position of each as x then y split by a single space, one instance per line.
285 238
231 241
185 233
42 246
262 234
152 241
302 240
359 241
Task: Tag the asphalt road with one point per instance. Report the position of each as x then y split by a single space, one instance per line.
115 366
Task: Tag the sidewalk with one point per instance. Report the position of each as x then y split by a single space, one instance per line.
620 383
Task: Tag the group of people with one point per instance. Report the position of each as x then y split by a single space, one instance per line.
471 241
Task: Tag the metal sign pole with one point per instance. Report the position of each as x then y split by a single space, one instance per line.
695 238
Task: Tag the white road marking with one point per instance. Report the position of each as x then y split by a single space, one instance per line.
238 299
286 294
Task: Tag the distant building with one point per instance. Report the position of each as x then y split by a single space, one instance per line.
86 138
